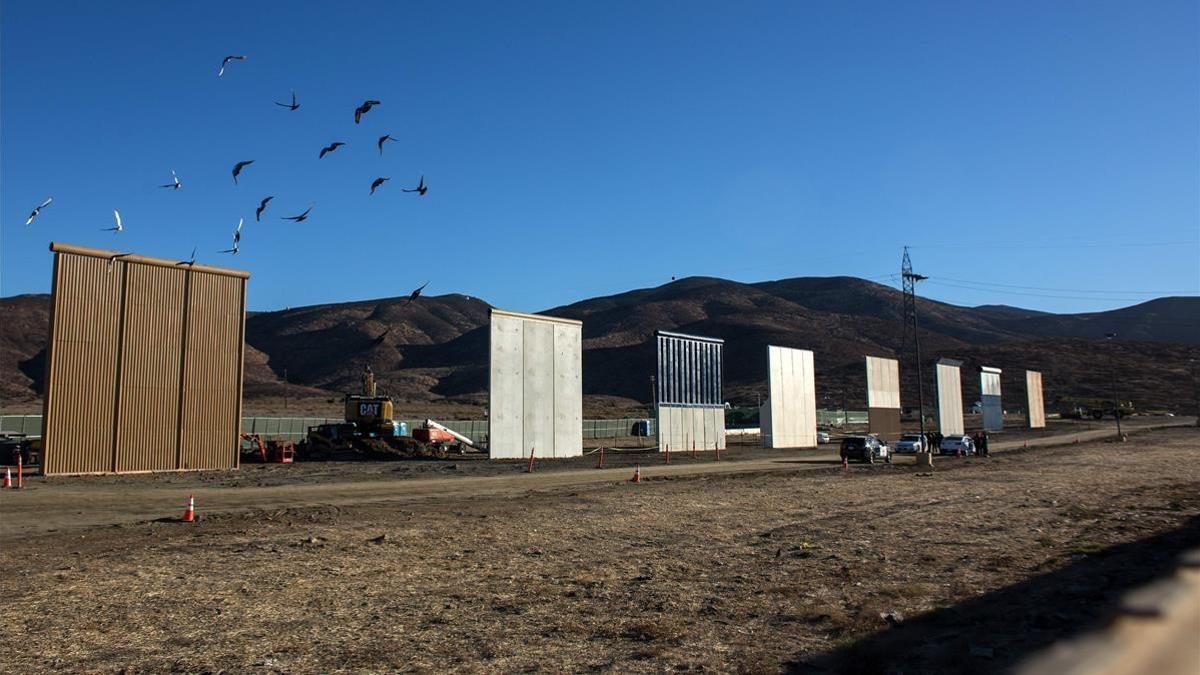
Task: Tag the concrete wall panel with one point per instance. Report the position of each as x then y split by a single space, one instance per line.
883 383
679 426
950 408
535 395
791 417
538 384
506 391
568 391
718 421
883 397
993 408
1037 408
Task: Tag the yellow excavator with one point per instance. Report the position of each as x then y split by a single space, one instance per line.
370 431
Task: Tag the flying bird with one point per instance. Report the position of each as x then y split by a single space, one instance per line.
416 294
189 261
116 228
293 105
226 61
300 218
173 185
38 209
383 139
377 182
237 168
237 237
262 205
421 188
330 148
364 109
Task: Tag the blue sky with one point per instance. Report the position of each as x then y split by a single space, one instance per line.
579 149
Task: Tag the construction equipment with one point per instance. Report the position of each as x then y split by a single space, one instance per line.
372 432
447 434
1080 407
268 452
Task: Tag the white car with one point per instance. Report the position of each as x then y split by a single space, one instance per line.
910 443
953 443
822 438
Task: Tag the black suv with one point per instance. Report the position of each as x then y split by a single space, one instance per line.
865 449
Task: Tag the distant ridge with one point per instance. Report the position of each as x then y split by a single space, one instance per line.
436 348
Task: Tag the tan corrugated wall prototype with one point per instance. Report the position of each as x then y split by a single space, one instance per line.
82 361
145 362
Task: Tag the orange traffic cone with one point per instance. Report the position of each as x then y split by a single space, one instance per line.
637 474
189 514
7 477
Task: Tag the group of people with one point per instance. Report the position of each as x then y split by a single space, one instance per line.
980 438
981 443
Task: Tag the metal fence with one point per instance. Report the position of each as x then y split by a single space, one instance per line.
295 428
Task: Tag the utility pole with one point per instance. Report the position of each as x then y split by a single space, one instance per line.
1112 369
910 317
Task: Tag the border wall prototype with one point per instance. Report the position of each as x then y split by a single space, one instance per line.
993 409
535 386
950 407
690 408
1036 416
789 416
144 366
883 397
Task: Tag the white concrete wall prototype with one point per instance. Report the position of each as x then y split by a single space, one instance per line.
535 391
1037 405
993 409
680 427
789 416
950 407
883 382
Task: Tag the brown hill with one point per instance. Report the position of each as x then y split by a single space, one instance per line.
434 351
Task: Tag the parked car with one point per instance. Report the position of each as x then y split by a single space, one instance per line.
822 437
910 443
954 442
865 449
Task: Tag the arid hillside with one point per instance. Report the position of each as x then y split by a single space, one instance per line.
434 351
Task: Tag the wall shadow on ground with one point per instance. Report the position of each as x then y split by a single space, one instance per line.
1014 622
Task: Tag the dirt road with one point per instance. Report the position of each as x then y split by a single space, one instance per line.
67 504
713 567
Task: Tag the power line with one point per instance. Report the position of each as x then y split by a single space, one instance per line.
996 291
1064 290
1056 242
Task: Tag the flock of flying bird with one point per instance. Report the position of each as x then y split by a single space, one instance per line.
176 184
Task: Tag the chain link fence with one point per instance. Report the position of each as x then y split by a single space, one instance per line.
295 428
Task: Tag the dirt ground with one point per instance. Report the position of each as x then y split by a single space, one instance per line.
979 563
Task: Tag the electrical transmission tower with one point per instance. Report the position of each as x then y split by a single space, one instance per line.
910 324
